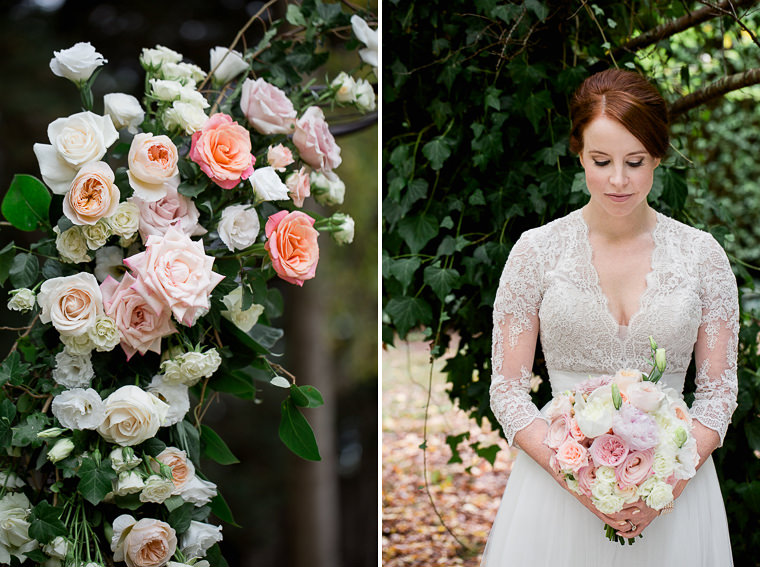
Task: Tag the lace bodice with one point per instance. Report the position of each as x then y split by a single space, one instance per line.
550 286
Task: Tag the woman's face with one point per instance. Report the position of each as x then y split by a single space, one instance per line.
619 170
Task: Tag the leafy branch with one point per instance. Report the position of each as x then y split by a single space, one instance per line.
714 90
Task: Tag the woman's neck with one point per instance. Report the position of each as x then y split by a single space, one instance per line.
640 221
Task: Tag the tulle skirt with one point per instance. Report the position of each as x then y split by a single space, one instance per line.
540 524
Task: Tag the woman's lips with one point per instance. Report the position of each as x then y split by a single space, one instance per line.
619 198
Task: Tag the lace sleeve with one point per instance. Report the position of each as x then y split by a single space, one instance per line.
717 342
515 331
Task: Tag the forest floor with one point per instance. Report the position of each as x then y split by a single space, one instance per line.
466 494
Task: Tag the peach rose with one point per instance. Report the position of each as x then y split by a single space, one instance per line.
176 270
223 150
70 303
173 209
267 108
315 142
92 195
299 186
279 157
152 164
292 245
575 431
572 455
145 543
183 470
142 319
625 378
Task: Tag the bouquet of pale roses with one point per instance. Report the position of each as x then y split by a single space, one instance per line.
164 223
621 438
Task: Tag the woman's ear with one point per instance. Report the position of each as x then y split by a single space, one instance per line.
656 162
580 158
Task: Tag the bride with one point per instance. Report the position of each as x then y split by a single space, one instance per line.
594 285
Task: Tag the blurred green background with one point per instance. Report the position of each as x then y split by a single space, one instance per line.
291 512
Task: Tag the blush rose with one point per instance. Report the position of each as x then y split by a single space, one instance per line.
292 246
92 195
267 108
152 164
608 450
70 303
222 149
314 141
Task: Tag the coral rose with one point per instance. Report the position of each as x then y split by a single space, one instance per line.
152 164
142 318
292 246
92 195
222 148
314 141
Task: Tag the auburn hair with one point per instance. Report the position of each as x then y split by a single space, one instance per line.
624 96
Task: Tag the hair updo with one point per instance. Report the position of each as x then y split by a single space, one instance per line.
624 96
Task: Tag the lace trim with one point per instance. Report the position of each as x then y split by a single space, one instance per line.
511 403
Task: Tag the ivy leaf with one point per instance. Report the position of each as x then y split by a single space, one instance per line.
404 269
488 453
408 312
45 523
6 260
12 369
95 480
215 448
437 151
674 188
296 432
536 107
453 442
24 270
26 432
27 202
417 231
442 280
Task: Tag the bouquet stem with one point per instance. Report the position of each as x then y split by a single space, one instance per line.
612 535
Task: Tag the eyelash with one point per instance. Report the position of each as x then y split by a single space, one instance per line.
635 164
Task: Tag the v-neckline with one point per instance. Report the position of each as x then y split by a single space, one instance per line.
598 283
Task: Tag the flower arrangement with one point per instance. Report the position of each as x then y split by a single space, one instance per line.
152 289
621 438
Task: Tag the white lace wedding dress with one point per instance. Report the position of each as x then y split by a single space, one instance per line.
550 285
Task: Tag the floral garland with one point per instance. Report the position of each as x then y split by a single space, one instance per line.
173 215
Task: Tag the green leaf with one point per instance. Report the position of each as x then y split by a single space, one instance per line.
408 312
404 269
27 202
13 370
95 480
26 432
306 396
536 107
6 260
214 555
45 523
294 15
24 270
437 151
418 231
221 509
296 432
266 336
442 280
674 188
453 442
488 453
215 448
538 8
180 518
190 189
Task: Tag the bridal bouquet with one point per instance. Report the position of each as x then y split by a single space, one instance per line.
165 223
621 438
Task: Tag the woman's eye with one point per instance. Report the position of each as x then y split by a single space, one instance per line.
636 164
601 163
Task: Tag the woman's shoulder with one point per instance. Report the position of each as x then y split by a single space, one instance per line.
550 233
688 236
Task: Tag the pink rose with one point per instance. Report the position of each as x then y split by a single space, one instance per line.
176 270
608 450
586 477
315 142
558 431
292 245
572 455
575 431
142 319
636 468
173 209
92 195
299 186
279 157
223 150
592 383
267 108
646 396
152 164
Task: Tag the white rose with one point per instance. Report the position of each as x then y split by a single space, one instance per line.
267 185
197 365
10 480
327 188
132 416
108 262
128 482
609 503
226 64
58 547
606 475
77 63
61 450
346 87
96 235
172 371
365 96
645 395
72 245
146 543
664 462
345 232
198 491
104 334
199 538
73 370
79 409
126 220
368 37
157 56
175 395
660 495
186 116
22 299
183 72
14 527
243 320
124 110
74 141
239 226
157 489
166 91
79 345
123 459
629 495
